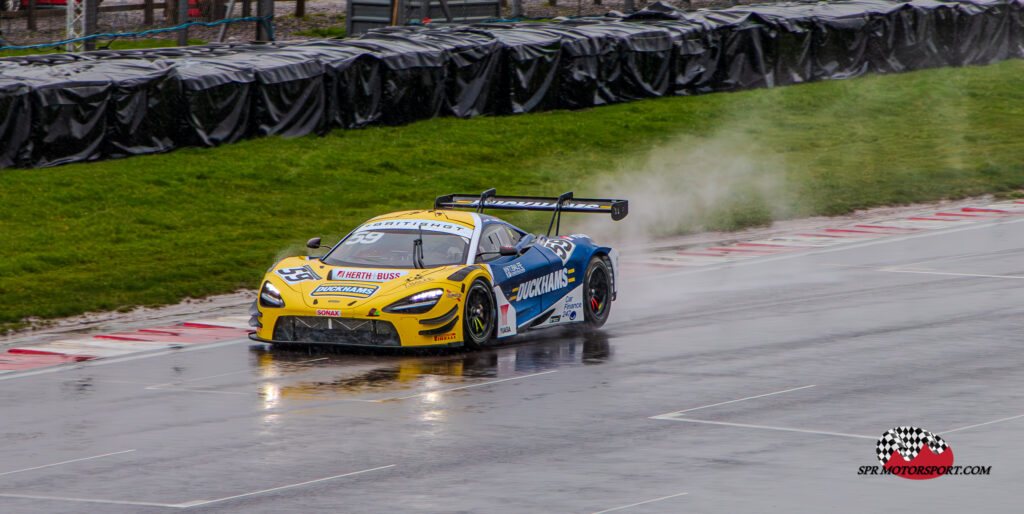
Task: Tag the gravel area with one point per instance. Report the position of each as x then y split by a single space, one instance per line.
319 14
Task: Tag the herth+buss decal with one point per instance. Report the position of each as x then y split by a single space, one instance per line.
917 454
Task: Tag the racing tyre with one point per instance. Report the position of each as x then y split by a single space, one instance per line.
478 315
597 294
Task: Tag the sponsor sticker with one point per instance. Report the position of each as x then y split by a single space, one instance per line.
366 275
542 285
561 247
445 337
572 315
296 275
504 327
554 319
917 454
328 312
514 269
431 225
343 290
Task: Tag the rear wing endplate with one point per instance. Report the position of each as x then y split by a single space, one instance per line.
563 203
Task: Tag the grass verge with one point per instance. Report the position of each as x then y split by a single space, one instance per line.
116 44
151 230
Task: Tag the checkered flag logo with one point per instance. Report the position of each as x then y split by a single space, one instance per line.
908 441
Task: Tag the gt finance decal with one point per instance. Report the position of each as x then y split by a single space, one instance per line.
514 269
432 225
365 275
916 454
343 290
296 275
542 285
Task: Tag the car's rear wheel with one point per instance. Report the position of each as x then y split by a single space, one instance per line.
478 316
597 294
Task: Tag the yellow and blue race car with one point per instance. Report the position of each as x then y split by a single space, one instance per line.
442 277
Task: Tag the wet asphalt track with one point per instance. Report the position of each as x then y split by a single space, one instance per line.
852 341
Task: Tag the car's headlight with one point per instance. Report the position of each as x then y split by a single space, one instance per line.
270 296
417 303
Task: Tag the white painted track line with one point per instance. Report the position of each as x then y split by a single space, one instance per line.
91 500
670 414
994 421
193 503
652 500
769 427
198 503
65 462
947 274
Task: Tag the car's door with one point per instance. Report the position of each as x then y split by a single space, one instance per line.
516 277
562 279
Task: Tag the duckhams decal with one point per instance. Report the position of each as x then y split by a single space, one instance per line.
343 290
543 285
366 275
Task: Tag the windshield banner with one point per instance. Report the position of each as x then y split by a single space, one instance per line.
426 225
366 275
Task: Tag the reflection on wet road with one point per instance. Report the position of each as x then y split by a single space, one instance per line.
331 373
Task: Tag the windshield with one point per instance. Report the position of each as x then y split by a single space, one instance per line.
393 249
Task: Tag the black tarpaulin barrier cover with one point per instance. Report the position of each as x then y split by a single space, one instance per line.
413 75
15 117
144 115
638 60
473 58
528 70
352 82
289 97
61 108
219 101
69 107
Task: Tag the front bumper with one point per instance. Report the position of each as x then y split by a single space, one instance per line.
349 328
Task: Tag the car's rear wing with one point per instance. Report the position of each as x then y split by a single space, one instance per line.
563 203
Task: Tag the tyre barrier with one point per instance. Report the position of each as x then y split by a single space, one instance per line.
63 108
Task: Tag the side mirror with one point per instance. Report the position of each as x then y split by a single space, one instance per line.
508 250
313 243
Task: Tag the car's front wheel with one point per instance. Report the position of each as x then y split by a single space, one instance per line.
597 294
478 316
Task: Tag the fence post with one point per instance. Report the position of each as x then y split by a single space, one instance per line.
246 8
89 15
517 8
181 10
263 8
300 8
628 6
148 14
31 15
